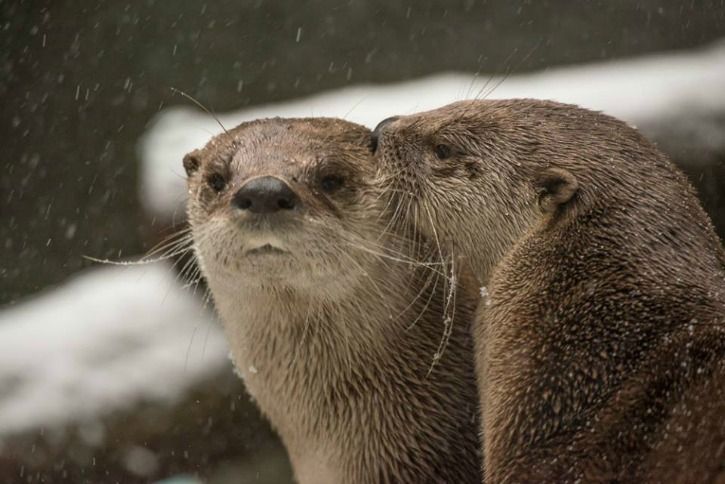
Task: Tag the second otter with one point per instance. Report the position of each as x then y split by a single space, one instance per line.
331 323
601 341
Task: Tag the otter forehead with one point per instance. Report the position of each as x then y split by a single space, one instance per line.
520 128
475 116
285 146
269 146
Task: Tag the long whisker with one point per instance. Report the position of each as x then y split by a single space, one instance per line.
407 261
383 251
170 247
434 277
200 106
175 238
450 292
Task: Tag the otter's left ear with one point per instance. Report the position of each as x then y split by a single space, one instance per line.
555 187
191 162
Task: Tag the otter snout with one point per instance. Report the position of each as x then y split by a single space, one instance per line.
265 195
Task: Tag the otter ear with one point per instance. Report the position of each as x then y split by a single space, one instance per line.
191 162
555 188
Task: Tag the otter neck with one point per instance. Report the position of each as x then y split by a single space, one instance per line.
297 351
278 329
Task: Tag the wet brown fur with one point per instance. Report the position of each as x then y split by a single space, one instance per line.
601 342
335 337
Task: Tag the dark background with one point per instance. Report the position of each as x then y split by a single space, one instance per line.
80 81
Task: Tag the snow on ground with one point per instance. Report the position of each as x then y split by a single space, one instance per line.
634 89
103 341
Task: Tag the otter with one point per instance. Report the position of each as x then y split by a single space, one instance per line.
600 337
332 318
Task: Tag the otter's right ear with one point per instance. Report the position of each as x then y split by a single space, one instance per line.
555 187
191 162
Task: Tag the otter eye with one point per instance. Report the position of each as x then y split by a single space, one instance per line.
443 152
330 183
216 182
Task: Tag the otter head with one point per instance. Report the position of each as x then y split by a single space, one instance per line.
474 175
276 204
327 307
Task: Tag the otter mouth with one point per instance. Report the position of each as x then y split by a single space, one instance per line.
266 249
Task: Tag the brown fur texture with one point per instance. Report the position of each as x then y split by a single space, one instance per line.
601 334
333 319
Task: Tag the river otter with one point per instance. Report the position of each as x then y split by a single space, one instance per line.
601 333
333 321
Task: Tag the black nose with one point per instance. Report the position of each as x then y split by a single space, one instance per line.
265 194
375 136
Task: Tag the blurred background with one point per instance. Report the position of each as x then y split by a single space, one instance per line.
120 374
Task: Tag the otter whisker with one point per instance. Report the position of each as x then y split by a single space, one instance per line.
201 106
206 297
188 266
433 278
512 68
369 246
394 216
450 295
170 243
168 249
394 259
435 232
448 321
188 348
506 67
120 263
